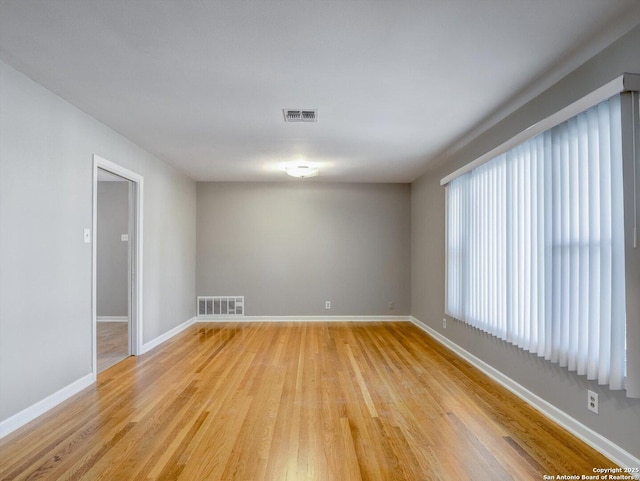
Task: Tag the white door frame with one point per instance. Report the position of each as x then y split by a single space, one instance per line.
135 307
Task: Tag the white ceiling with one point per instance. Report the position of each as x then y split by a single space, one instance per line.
202 83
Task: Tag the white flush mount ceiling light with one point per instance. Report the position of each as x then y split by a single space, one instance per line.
301 170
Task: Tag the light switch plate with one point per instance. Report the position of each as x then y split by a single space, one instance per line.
87 236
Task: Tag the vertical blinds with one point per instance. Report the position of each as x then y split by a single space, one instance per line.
535 245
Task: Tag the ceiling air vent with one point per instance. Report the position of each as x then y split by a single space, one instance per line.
300 115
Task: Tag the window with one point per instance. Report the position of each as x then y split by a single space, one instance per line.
536 245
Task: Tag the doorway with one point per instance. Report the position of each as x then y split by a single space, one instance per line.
117 254
113 269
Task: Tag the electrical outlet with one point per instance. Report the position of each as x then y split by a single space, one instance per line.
392 306
592 401
327 304
444 322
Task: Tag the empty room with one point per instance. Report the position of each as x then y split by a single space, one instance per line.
319 240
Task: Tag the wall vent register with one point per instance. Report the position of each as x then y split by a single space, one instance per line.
220 306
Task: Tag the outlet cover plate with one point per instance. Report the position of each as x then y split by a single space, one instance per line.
592 401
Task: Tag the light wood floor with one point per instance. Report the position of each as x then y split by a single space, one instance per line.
112 343
294 401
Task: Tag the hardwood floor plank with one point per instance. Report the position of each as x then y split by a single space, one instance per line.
293 401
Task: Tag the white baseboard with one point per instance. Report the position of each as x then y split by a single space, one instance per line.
167 335
112 319
609 449
29 414
303 318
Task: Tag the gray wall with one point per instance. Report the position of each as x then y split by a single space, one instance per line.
619 418
288 247
46 176
112 283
